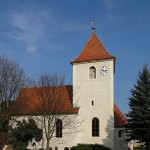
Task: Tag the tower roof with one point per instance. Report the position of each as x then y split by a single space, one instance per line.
93 50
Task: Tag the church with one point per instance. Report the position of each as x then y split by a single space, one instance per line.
91 101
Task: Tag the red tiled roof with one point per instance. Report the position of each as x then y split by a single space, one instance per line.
119 118
32 101
39 100
93 50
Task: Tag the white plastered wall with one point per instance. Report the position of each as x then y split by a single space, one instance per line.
99 90
68 132
120 142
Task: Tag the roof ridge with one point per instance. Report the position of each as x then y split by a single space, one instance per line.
84 46
102 44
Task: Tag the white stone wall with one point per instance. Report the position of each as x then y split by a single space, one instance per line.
68 133
120 142
101 91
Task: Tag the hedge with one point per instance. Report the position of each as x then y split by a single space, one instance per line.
89 147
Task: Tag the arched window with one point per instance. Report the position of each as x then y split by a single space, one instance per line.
59 128
120 133
66 148
95 127
92 72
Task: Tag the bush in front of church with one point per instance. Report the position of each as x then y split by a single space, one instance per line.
89 147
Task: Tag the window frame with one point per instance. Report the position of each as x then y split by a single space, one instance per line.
120 133
95 127
92 72
58 128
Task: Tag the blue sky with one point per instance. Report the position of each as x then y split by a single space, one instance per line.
45 35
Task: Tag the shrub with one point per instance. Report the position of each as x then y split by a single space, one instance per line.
23 133
89 147
138 148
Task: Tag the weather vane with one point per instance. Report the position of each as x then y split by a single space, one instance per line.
93 25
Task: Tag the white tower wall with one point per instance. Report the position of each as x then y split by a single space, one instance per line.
101 92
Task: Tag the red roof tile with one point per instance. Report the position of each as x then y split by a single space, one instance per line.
119 119
35 101
93 50
39 100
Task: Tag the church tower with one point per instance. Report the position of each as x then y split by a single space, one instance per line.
93 84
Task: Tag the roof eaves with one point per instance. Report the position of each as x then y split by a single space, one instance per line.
111 58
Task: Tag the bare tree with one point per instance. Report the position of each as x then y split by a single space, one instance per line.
12 78
50 104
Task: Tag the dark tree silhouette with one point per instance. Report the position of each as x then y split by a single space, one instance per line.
23 133
138 127
12 78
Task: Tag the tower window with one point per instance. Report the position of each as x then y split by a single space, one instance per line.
59 128
92 103
92 73
95 127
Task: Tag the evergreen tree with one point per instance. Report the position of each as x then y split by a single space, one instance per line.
138 127
23 133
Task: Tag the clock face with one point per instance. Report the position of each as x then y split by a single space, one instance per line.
103 70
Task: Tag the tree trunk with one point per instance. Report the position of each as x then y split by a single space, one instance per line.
3 139
147 145
47 144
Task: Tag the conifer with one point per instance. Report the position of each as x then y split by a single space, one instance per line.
138 127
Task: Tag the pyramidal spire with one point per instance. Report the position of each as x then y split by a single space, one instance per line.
93 50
